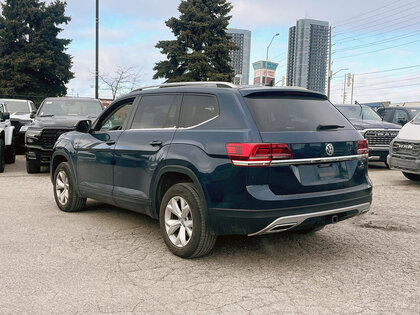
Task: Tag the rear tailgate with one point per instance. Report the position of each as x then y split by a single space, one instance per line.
323 143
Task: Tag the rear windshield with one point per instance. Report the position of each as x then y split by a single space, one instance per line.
276 113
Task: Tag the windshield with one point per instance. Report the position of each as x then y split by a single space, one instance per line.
359 113
17 106
70 107
300 113
416 119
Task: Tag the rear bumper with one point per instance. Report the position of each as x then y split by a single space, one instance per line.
408 164
329 216
316 211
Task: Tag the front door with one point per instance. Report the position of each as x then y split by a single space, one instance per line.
142 148
95 154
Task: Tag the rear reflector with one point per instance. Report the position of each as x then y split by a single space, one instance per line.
257 154
362 147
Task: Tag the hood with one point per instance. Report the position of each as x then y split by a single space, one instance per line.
410 131
57 121
21 116
373 124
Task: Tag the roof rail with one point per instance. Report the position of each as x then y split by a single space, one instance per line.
217 84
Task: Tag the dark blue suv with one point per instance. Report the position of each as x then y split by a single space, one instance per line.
211 158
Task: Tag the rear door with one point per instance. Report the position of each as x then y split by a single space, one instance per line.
142 147
322 141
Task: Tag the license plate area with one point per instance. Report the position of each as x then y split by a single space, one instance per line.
325 173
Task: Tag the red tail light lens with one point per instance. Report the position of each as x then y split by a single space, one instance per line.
362 147
257 154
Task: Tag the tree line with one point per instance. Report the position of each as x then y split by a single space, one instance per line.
34 61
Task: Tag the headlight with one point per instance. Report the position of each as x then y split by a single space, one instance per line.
362 132
32 133
23 128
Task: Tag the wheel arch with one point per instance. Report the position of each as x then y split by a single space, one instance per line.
59 157
168 176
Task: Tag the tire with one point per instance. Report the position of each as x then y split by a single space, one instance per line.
2 156
310 230
11 152
32 167
65 194
413 177
177 237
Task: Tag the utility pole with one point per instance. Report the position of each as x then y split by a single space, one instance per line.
97 52
344 91
352 88
266 60
329 66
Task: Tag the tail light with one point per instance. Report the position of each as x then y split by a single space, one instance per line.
257 154
362 147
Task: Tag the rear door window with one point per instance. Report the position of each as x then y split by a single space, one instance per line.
197 109
157 112
278 113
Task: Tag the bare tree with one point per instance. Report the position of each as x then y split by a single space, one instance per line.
123 80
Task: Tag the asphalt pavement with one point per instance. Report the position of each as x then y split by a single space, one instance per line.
109 260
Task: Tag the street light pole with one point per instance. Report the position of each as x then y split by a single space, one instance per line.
97 52
266 59
329 66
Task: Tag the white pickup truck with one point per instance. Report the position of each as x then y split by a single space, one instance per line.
404 152
7 145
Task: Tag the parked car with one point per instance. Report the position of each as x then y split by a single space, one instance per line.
398 115
7 148
20 111
209 159
55 116
404 154
378 133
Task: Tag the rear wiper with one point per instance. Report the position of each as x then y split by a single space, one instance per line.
326 127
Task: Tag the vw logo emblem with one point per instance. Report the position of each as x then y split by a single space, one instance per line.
329 149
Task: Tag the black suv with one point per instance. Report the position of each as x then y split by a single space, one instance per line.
55 116
211 158
398 114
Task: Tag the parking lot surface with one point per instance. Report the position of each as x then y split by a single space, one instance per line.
109 260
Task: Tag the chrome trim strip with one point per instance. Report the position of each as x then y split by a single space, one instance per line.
319 160
295 220
250 163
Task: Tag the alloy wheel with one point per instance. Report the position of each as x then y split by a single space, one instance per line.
178 221
62 187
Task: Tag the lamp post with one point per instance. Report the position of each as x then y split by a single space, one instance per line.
97 52
266 59
330 75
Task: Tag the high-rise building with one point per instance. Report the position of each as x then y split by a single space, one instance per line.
308 55
240 58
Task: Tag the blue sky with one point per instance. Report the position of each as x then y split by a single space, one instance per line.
129 30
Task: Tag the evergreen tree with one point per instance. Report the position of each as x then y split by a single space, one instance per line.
32 59
200 51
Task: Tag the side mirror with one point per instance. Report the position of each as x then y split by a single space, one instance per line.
84 126
4 116
33 114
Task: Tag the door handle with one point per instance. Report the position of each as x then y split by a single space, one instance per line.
155 143
110 142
